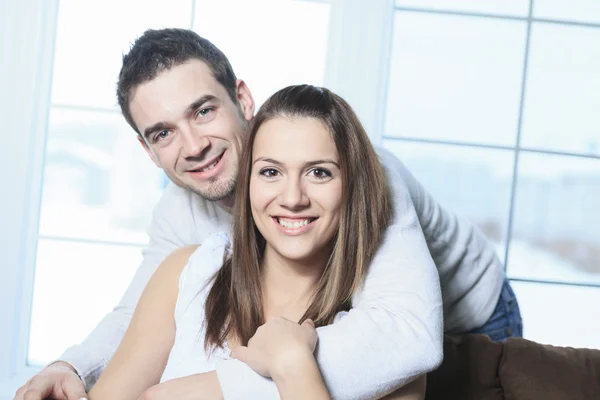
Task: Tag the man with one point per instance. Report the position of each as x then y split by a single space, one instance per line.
179 93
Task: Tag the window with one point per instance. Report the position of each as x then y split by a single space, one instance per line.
99 187
493 106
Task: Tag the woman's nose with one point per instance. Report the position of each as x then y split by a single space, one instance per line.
293 195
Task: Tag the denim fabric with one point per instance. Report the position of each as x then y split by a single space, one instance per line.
506 319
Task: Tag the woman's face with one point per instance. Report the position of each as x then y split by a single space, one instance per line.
296 187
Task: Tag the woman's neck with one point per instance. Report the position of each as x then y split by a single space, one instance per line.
288 285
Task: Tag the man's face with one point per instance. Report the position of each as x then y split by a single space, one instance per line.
192 129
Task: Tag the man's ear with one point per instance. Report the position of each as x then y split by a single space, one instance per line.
148 151
245 99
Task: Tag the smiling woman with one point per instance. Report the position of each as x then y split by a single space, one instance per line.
295 187
308 160
304 233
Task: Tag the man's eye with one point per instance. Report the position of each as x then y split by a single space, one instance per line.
204 111
161 135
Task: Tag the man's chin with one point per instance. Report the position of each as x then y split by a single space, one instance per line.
215 191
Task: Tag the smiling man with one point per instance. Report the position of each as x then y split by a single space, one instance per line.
168 116
191 113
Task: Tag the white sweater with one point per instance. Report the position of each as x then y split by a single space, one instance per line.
393 332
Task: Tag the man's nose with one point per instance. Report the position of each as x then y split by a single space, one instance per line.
193 143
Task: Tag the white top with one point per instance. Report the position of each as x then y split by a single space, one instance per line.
394 330
188 355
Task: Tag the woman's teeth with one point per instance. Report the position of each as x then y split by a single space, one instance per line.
293 224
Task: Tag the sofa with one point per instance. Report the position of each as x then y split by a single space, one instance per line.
475 368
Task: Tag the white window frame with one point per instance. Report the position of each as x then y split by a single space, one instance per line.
27 32
359 44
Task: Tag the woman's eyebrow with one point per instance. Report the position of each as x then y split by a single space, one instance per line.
323 161
306 163
268 160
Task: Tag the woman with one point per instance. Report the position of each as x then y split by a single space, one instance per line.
311 208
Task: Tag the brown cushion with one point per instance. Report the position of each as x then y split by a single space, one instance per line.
469 370
531 371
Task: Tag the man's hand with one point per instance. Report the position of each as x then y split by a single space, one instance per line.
57 381
277 345
204 386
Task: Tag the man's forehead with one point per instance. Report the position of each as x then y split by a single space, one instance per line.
191 78
170 93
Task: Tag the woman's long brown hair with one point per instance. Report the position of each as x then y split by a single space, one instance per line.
234 304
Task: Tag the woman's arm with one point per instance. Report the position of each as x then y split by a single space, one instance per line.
169 230
283 351
301 379
142 355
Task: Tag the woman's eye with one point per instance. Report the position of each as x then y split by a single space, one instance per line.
320 173
269 172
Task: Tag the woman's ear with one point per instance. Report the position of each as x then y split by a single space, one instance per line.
245 99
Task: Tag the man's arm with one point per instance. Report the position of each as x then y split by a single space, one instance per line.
392 334
171 228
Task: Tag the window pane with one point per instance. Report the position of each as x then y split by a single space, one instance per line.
455 78
577 10
98 181
278 47
76 284
553 314
556 228
563 89
505 7
92 36
471 182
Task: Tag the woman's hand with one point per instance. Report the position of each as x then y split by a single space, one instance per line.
283 350
278 345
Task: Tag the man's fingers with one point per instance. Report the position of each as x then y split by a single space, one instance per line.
74 389
37 389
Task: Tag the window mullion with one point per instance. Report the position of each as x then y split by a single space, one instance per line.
358 59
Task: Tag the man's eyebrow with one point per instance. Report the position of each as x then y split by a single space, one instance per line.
198 103
306 164
159 126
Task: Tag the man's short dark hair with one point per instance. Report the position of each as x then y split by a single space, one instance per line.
159 50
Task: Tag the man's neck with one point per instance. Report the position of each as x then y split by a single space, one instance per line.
227 204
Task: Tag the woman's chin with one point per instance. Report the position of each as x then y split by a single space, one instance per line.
299 255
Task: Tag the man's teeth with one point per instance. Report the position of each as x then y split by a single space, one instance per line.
295 224
211 166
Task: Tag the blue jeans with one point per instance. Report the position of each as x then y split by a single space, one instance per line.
506 319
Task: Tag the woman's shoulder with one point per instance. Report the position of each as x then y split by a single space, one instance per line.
205 260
